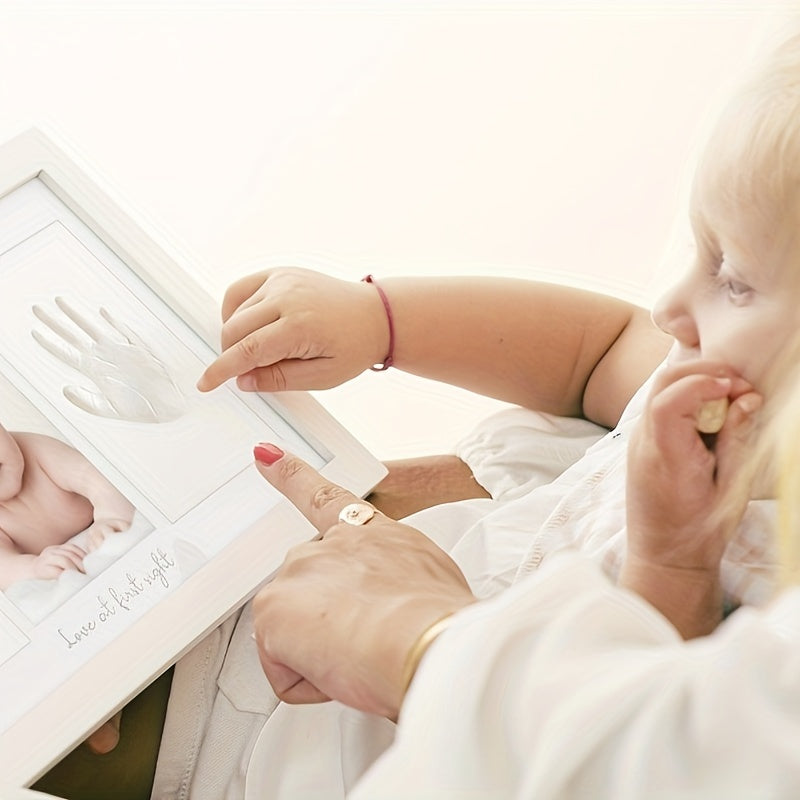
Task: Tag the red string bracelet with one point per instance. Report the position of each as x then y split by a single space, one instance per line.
389 360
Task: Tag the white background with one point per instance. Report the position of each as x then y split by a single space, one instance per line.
389 137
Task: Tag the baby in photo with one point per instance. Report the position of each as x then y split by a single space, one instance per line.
49 493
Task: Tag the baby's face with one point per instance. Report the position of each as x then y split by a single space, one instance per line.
12 465
738 303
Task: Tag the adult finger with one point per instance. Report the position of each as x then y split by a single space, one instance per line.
288 685
314 496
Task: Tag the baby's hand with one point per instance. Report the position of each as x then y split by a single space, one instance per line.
97 532
58 558
297 329
683 460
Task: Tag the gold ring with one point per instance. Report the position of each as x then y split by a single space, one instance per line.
356 514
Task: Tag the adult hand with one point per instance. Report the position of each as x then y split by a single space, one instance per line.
343 612
128 381
681 507
297 329
412 484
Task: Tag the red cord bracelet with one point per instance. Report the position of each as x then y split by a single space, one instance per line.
389 360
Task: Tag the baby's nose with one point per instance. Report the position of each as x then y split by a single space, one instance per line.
673 315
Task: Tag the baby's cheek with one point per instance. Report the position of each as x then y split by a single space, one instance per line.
746 355
762 349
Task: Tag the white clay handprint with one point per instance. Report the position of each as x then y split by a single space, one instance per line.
130 382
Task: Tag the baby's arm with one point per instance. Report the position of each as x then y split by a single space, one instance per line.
49 564
553 348
73 472
680 506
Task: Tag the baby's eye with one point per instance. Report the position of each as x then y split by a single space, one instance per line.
737 290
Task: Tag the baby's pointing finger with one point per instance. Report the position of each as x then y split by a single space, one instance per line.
245 354
315 497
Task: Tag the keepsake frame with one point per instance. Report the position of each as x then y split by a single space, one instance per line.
154 601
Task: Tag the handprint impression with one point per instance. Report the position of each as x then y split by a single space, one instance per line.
129 381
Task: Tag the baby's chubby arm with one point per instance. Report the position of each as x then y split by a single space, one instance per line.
72 471
538 345
681 509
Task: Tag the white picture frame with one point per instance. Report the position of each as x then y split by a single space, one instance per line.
102 333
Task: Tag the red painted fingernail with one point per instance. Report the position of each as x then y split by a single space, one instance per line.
267 453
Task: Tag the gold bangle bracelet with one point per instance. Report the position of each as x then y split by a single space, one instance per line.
420 646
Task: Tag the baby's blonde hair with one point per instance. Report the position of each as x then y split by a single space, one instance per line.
773 468
753 155
752 161
784 436
770 150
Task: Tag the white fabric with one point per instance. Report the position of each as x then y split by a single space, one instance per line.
581 508
577 689
192 699
37 598
548 506
517 449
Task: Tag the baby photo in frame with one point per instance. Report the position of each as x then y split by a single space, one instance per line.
61 520
103 335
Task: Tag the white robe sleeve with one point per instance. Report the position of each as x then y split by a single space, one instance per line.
567 687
